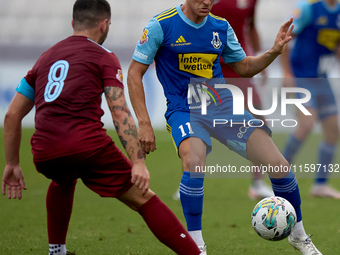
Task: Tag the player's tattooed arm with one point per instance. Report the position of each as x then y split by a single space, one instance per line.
123 122
116 124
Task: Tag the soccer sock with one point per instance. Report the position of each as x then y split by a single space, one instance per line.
292 147
298 231
326 154
288 188
57 249
166 227
59 202
197 236
192 191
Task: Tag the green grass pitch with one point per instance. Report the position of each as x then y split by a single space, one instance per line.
105 226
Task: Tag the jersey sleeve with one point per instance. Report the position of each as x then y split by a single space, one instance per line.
25 89
302 16
149 43
233 51
112 72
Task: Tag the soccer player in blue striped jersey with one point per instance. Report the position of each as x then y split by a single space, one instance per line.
317 30
186 42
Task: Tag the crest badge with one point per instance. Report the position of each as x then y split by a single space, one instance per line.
216 42
119 75
144 37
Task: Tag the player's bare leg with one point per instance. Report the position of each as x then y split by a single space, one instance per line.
262 150
161 220
192 152
258 189
295 141
327 150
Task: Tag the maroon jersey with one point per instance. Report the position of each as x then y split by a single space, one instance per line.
69 80
236 12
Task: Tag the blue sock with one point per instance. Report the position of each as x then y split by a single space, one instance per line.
326 153
292 147
287 187
191 190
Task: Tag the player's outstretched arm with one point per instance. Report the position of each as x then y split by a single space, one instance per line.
127 132
250 66
13 180
136 92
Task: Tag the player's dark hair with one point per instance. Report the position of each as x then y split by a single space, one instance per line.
87 13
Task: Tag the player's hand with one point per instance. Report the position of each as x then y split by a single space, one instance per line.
13 181
146 138
284 36
140 177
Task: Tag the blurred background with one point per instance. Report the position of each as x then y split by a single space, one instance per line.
29 27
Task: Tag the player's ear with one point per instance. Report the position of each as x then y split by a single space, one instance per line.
103 25
72 24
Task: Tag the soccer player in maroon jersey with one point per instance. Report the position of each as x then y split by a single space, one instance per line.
65 86
241 16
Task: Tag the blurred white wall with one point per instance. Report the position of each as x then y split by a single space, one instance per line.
27 23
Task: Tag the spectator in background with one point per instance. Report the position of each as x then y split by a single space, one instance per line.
241 16
317 32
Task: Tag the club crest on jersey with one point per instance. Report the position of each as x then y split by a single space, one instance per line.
144 37
119 75
216 42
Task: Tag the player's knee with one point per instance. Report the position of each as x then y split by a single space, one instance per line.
278 168
134 198
332 135
306 126
191 162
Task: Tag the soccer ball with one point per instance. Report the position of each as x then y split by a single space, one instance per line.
273 218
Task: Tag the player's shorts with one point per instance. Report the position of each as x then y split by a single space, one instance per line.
322 97
183 125
105 171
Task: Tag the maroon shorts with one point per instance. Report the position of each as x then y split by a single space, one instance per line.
105 171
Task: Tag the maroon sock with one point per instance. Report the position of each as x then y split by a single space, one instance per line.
59 202
167 228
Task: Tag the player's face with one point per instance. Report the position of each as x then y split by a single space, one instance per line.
197 10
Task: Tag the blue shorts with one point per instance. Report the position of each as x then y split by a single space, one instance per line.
322 97
230 131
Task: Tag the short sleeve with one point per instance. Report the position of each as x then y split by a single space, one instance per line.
149 43
111 71
25 89
233 51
